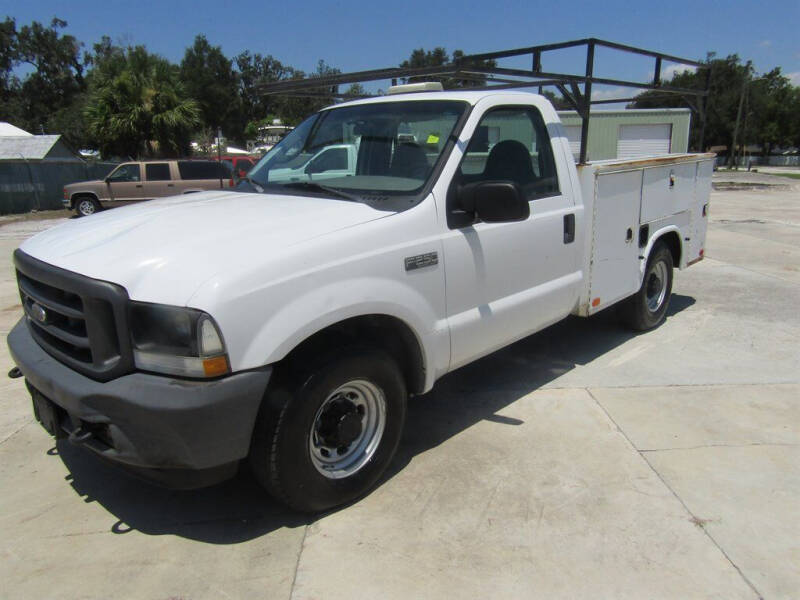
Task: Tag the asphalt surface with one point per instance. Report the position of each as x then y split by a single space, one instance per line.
582 462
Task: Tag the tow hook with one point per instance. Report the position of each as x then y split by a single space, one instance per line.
15 373
79 436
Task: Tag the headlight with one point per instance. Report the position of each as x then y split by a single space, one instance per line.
176 341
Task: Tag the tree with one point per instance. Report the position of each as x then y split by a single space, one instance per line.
770 115
770 104
8 53
253 70
137 105
421 58
207 76
356 90
293 109
558 102
56 83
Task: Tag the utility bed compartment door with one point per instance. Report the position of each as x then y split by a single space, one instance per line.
667 191
615 249
698 211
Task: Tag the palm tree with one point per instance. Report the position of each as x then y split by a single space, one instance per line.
137 106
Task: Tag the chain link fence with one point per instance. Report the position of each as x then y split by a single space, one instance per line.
786 160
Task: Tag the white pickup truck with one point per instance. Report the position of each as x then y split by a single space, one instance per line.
287 322
336 160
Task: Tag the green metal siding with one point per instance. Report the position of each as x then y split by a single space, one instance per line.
604 128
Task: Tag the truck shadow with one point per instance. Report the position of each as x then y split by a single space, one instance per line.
479 390
239 510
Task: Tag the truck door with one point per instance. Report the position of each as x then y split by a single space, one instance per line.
158 182
506 280
125 183
332 162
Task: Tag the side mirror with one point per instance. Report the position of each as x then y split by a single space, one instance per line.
107 179
494 201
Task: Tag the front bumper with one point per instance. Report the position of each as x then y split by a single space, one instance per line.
181 433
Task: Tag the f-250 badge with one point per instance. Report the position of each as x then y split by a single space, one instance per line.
422 260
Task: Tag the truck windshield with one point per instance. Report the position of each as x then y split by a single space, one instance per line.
367 151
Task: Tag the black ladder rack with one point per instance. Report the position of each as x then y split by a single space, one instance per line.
576 89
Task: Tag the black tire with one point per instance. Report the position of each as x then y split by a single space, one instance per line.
86 206
289 438
647 308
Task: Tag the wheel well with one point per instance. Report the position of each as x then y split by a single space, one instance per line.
673 243
387 333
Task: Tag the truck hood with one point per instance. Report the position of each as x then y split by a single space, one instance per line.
82 184
163 250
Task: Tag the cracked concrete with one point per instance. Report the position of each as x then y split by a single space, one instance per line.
582 462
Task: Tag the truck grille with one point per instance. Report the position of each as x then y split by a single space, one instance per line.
82 322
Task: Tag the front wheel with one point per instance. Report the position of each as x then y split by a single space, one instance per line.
648 307
86 206
326 440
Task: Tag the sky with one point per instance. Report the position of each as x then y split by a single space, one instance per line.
366 35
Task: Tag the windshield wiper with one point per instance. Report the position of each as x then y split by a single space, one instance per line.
314 186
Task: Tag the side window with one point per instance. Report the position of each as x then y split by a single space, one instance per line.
334 159
202 169
126 172
157 172
512 144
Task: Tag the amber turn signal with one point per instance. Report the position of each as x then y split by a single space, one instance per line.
214 367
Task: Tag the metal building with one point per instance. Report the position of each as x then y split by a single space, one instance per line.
630 133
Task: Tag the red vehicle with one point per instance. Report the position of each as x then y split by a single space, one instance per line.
239 165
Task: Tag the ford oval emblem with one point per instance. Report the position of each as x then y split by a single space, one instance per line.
38 313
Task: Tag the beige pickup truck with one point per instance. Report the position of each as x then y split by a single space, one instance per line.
137 181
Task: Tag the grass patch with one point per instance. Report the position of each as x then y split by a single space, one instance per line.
790 175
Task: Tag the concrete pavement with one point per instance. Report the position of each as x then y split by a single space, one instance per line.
582 462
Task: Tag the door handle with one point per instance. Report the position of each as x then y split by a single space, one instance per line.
138 185
170 185
569 228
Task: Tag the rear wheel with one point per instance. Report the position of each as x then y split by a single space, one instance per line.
86 205
647 308
326 440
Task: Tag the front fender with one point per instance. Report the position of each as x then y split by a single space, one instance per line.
322 307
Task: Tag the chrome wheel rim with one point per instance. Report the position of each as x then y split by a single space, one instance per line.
347 429
86 207
656 286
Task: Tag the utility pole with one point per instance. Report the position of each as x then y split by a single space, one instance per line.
732 150
736 127
219 153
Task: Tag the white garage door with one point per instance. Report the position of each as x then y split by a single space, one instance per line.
574 137
643 140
